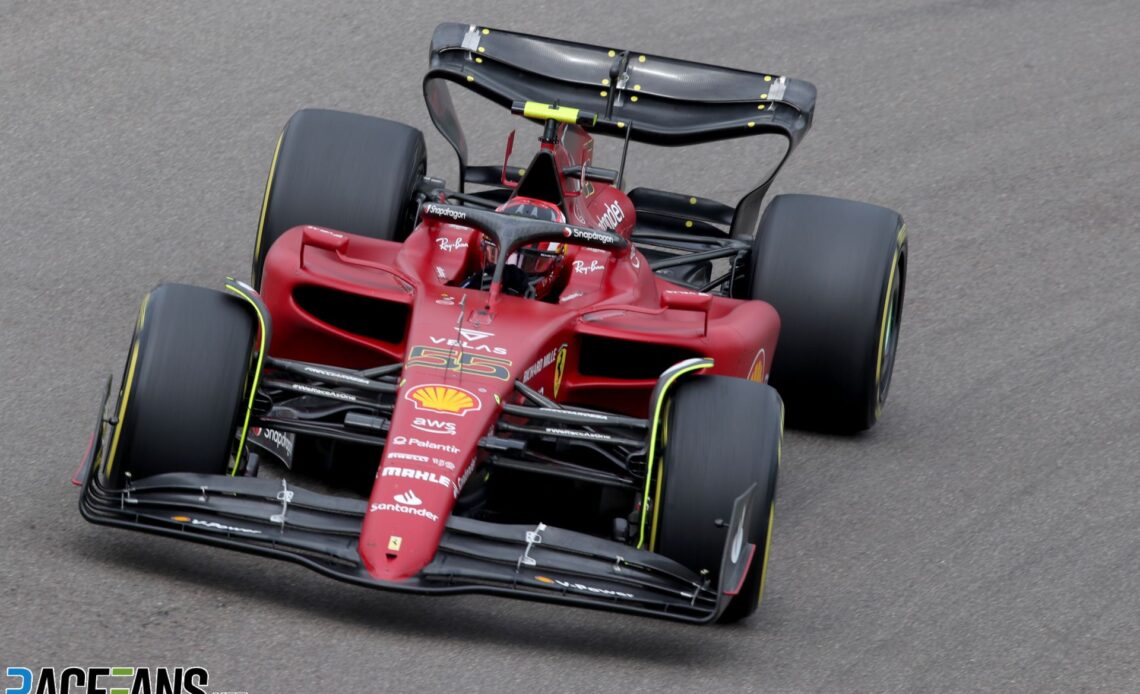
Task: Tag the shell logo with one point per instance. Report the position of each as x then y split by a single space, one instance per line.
447 399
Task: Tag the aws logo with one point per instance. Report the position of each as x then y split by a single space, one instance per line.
434 426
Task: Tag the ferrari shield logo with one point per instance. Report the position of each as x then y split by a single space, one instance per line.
756 372
559 368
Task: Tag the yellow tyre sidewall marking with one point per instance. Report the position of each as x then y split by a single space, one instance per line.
771 512
767 547
128 384
656 407
883 321
257 254
660 475
233 287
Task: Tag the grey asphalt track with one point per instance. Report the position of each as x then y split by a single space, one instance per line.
984 537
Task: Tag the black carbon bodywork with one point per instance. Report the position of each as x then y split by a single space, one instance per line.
667 101
639 96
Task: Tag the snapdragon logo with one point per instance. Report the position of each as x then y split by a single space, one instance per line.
109 680
437 211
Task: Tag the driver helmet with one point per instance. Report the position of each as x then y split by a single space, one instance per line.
540 261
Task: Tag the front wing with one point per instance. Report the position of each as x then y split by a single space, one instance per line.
272 518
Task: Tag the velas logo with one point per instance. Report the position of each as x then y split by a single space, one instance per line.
447 399
474 335
468 344
108 680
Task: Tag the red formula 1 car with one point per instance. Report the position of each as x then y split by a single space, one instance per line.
549 387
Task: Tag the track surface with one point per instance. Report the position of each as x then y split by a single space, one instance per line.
985 536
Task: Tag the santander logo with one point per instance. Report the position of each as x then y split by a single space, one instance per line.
409 497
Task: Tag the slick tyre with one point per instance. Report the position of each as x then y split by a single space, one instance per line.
342 171
718 436
835 271
184 385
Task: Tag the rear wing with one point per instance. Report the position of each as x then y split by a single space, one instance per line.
639 96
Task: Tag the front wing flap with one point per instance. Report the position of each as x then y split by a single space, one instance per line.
271 517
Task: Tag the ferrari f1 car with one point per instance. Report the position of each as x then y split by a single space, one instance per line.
538 384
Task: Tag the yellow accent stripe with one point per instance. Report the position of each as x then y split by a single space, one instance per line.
256 374
265 207
883 321
562 114
653 448
127 384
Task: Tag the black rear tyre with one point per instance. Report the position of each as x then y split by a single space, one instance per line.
184 385
835 271
343 171
719 436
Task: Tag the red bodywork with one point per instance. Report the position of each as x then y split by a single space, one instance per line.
462 355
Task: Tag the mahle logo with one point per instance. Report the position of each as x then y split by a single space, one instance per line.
109 680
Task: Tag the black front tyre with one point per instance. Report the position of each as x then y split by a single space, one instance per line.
835 271
718 436
342 171
184 386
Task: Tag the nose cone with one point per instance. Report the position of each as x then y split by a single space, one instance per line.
405 520
428 456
